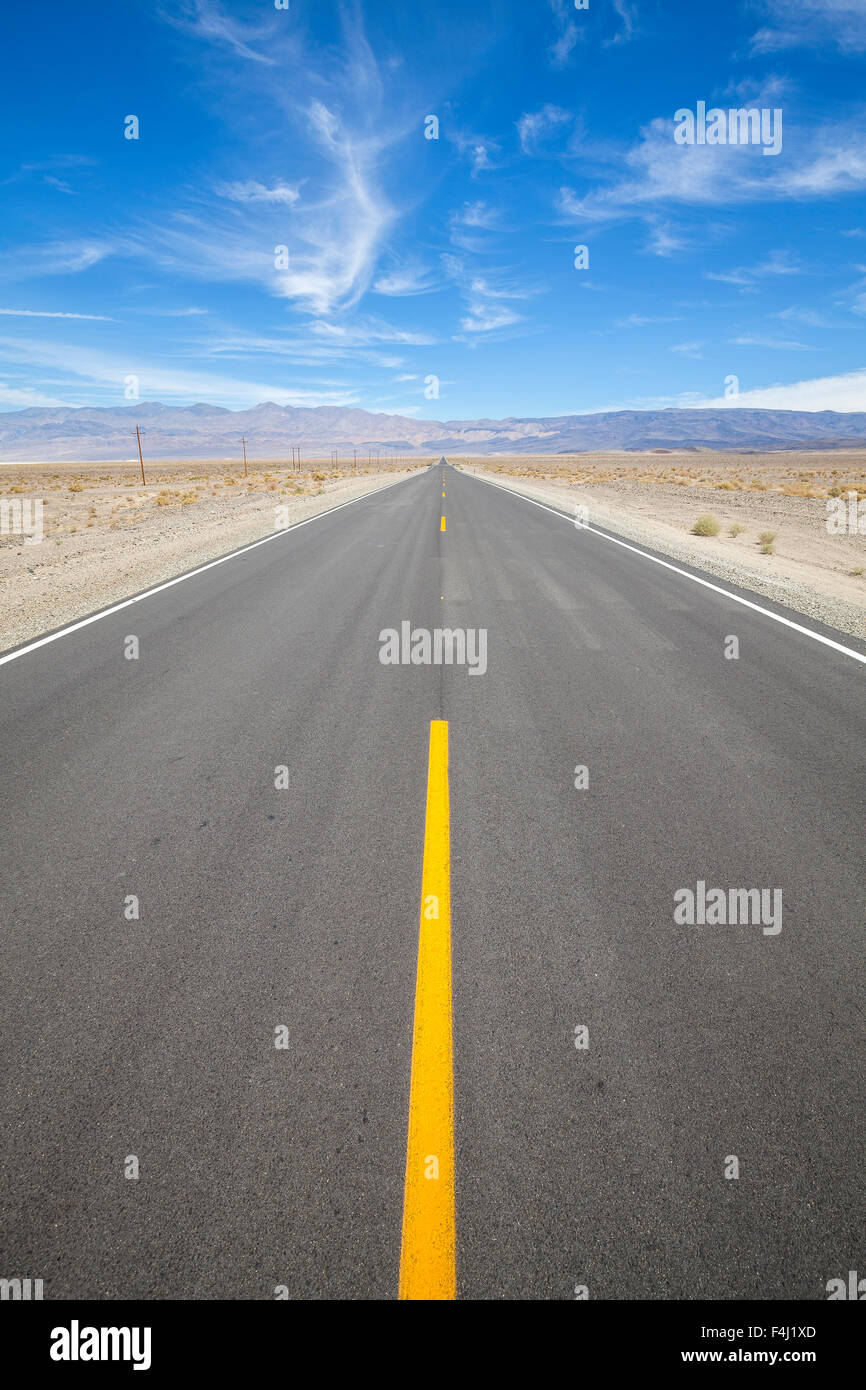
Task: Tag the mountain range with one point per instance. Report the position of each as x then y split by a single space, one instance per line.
207 431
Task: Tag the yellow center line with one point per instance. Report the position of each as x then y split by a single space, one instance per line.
442 527
428 1262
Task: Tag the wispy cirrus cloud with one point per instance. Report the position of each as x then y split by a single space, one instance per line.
762 340
644 320
488 299
810 317
811 23
335 234
688 349
26 398
627 13
776 263
482 153
251 191
825 161
569 32
206 19
53 314
78 366
56 258
533 126
405 281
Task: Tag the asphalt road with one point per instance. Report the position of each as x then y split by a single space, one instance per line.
602 1167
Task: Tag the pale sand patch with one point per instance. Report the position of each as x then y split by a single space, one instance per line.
106 536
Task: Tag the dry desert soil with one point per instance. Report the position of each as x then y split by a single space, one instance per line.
656 498
106 535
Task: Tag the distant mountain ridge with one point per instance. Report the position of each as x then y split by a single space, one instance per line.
207 431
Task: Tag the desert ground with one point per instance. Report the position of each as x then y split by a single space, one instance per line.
107 535
771 509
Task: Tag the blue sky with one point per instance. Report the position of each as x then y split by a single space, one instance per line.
412 258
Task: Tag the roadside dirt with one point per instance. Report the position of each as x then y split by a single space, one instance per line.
107 536
657 500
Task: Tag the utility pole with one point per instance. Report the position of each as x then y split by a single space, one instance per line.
140 458
244 442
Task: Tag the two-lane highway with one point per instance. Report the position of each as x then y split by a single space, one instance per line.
258 780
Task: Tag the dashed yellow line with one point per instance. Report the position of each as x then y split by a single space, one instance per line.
442 527
428 1264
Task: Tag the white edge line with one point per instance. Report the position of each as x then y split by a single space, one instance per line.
190 574
716 588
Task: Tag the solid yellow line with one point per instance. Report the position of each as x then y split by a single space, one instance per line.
442 527
428 1265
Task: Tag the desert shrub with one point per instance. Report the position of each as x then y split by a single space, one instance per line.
706 525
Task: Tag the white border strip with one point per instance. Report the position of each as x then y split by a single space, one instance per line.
190 574
716 588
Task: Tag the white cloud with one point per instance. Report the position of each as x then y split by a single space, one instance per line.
406 281
688 349
534 125
845 392
822 161
56 258
60 184
806 316
641 320
812 24
51 314
484 317
777 263
477 215
570 32
774 344
23 398
250 191
206 20
480 150
628 14
665 240
159 380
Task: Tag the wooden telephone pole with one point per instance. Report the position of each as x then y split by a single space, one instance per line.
140 458
244 443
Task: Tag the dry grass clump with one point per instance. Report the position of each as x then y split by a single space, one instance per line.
706 525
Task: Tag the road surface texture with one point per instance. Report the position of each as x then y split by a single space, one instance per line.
598 1167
